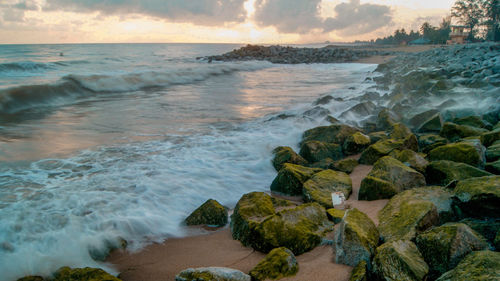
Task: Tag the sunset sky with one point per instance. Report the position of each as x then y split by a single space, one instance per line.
211 21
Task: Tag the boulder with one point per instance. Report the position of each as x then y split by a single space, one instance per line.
480 265
473 121
399 260
376 136
479 197
386 118
335 215
82 274
487 227
210 213
493 153
279 263
31 278
496 241
320 186
323 164
359 110
384 147
410 158
316 112
445 246
356 143
212 274
373 188
291 178
359 272
417 120
314 151
399 131
323 100
430 141
455 132
285 154
433 124
336 133
443 172
464 152
345 165
493 167
356 239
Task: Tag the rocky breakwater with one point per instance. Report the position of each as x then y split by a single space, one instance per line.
293 55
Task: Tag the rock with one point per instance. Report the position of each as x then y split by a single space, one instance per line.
429 142
356 239
291 178
356 143
386 118
210 213
82 274
285 154
376 136
417 120
399 131
335 215
323 164
493 167
455 132
433 124
394 177
479 197
496 242
336 133
464 152
473 121
212 274
323 100
345 165
314 151
443 172
279 263
410 158
31 278
385 147
399 260
360 272
481 265
360 110
332 120
445 246
321 185
493 152
487 227
316 112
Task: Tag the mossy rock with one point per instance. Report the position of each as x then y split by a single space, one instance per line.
419 119
399 260
314 151
299 229
443 172
291 178
433 124
336 133
496 241
455 132
493 153
320 186
335 215
410 158
464 152
377 136
399 131
212 274
210 213
357 238
493 167
490 137
445 246
373 188
323 164
360 272
356 143
386 118
279 263
379 149
479 197
430 141
31 278
345 165
285 154
476 266
82 274
487 227
473 121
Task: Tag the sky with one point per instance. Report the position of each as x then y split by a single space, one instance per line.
211 21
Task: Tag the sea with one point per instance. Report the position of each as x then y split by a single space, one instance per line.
101 143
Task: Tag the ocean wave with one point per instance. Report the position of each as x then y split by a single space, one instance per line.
24 66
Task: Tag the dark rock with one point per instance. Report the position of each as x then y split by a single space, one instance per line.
82 274
399 260
481 265
443 172
479 197
345 165
335 215
417 120
314 151
279 263
399 131
320 186
489 138
386 118
336 133
31 278
487 227
410 158
316 111
493 152
356 143
474 121
493 167
429 142
433 124
360 272
210 213
323 100
376 136
385 147
211 274
285 154
291 178
360 110
455 132
464 152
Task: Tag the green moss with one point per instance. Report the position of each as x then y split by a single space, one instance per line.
429 142
464 152
400 260
336 133
493 152
411 158
378 150
481 265
373 188
335 215
489 138
285 154
474 121
31 278
496 241
279 263
493 167
386 118
454 132
479 196
355 143
83 274
314 151
210 213
433 124
377 136
399 131
345 165
321 185
359 273
443 172
487 227
291 178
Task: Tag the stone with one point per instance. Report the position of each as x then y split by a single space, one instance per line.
443 172
479 197
323 100
455 132
82 274
386 118
285 154
316 112
496 241
356 239
360 272
355 143
360 110
210 213
399 260
336 133
314 151
345 165
291 178
321 185
383 148
480 265
212 274
445 246
376 136
429 142
493 167
417 120
335 215
399 131
279 263
473 121
31 278
323 164
487 227
493 153
433 124
373 188
464 152
410 158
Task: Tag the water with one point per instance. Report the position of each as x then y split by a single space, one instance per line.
123 141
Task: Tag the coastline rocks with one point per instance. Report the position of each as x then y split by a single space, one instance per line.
345 165
399 260
356 238
335 215
479 196
285 154
433 124
474 121
210 213
493 167
336 133
321 185
78 274
279 263
385 147
359 272
386 118
455 132
212 274
430 141
399 131
465 152
291 178
31 278
443 247
493 152
487 227
489 138
356 143
443 172
410 158
481 265
315 151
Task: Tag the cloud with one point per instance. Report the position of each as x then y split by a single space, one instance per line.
303 16
203 12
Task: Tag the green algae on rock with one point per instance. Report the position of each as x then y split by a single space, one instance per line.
336 133
489 138
433 124
430 141
285 154
335 215
314 151
493 167
82 274
379 149
356 143
400 260
443 172
279 263
487 227
399 131
212 274
291 178
377 136
474 121
410 157
359 272
210 213
356 238
464 152
479 196
386 118
345 165
373 188
493 152
480 265
321 185
455 132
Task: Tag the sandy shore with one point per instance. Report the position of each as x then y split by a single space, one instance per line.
398 49
164 261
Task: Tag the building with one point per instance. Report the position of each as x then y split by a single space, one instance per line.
458 34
